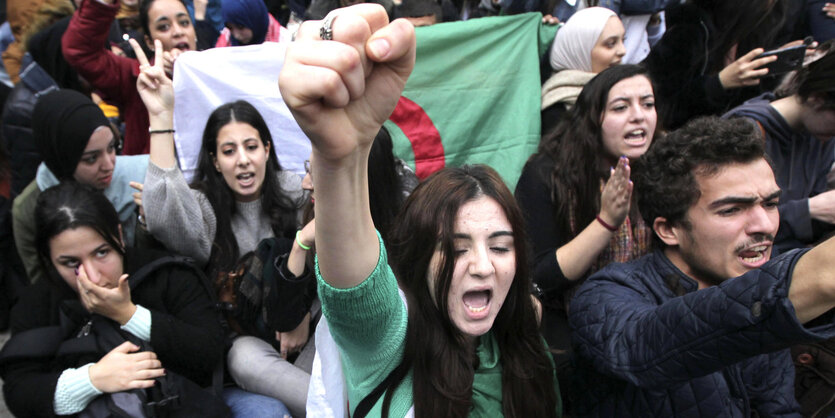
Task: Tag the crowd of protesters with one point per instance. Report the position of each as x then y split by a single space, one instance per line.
665 251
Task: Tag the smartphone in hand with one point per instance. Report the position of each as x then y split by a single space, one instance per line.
788 59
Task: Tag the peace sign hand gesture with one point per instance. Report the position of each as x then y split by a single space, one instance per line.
153 84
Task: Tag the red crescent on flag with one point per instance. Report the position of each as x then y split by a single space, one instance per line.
422 133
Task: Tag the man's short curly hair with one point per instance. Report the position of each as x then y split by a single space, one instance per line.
665 177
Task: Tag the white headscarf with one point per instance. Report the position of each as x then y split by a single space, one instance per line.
572 46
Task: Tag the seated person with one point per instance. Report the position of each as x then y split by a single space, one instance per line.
77 143
81 247
798 124
241 197
700 327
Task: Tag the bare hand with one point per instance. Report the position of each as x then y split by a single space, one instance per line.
200 7
617 193
154 86
98 297
123 369
811 49
550 20
829 9
168 59
294 340
822 207
341 91
744 71
137 195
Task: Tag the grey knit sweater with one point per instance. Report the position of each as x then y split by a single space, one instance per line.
184 221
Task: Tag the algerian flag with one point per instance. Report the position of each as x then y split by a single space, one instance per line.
474 95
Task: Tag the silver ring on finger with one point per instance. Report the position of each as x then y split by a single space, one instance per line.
326 31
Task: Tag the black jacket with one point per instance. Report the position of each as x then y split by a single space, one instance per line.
185 332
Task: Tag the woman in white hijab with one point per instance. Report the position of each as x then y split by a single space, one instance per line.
588 43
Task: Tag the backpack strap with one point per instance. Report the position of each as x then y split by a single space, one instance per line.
368 402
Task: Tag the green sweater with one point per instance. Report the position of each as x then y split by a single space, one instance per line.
368 323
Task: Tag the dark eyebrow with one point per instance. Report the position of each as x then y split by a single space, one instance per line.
101 247
493 235
62 258
731 200
161 18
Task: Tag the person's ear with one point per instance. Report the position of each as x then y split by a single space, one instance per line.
149 43
267 150
214 161
666 231
815 101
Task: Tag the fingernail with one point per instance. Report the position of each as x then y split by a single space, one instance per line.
380 47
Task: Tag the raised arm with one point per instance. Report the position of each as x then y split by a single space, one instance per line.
83 47
340 93
179 217
560 259
812 290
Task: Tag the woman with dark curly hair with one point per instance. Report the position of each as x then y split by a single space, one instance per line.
575 192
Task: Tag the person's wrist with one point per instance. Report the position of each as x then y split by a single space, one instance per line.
609 225
126 314
163 120
301 242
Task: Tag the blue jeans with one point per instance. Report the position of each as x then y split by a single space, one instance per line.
252 405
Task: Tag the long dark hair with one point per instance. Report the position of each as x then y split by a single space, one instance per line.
748 24
576 147
71 205
384 189
441 358
275 203
814 79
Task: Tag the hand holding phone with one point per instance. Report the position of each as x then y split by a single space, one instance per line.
745 71
788 59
